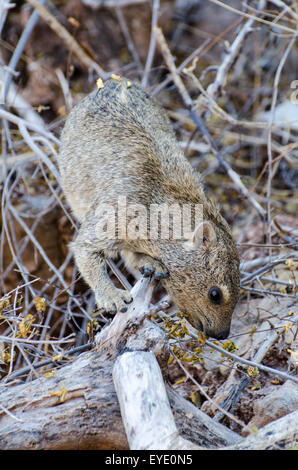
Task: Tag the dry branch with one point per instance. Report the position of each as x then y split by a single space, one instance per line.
199 122
15 99
30 124
89 416
88 413
247 15
221 76
145 407
112 3
278 435
151 50
141 392
68 39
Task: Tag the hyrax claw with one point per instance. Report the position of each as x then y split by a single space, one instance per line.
113 300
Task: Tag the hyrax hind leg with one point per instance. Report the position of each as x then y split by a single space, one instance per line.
145 264
90 256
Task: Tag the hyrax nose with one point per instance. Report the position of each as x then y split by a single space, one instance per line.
223 334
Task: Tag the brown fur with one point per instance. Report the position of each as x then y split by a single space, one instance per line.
119 141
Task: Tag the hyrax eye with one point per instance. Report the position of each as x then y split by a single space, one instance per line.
215 295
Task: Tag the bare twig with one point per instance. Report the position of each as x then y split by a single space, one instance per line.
4 7
269 292
150 56
272 109
256 18
45 362
230 56
68 39
42 252
284 6
129 41
112 3
203 392
194 55
240 360
65 89
199 122
19 49
36 149
31 125
269 266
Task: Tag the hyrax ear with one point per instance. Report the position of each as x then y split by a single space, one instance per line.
203 235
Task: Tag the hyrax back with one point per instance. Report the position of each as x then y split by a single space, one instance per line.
119 156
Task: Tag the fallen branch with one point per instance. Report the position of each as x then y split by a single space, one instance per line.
144 404
278 435
88 415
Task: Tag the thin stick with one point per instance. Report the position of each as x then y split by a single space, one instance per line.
43 254
269 292
272 109
129 41
202 391
230 56
65 89
199 122
4 6
283 5
195 54
20 49
68 339
68 39
240 360
269 266
31 125
46 362
38 152
247 15
152 44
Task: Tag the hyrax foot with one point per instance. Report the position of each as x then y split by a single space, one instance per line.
149 266
113 300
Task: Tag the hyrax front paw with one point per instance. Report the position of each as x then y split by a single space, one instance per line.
113 300
149 266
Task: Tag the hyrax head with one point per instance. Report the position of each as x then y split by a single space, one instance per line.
204 279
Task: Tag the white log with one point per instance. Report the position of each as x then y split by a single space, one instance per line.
144 404
140 385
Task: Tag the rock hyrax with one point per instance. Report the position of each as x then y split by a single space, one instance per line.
119 156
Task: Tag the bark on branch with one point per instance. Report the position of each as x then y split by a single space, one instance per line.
78 408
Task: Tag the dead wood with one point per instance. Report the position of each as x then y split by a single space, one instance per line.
77 408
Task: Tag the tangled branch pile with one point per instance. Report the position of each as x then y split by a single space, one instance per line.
228 78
